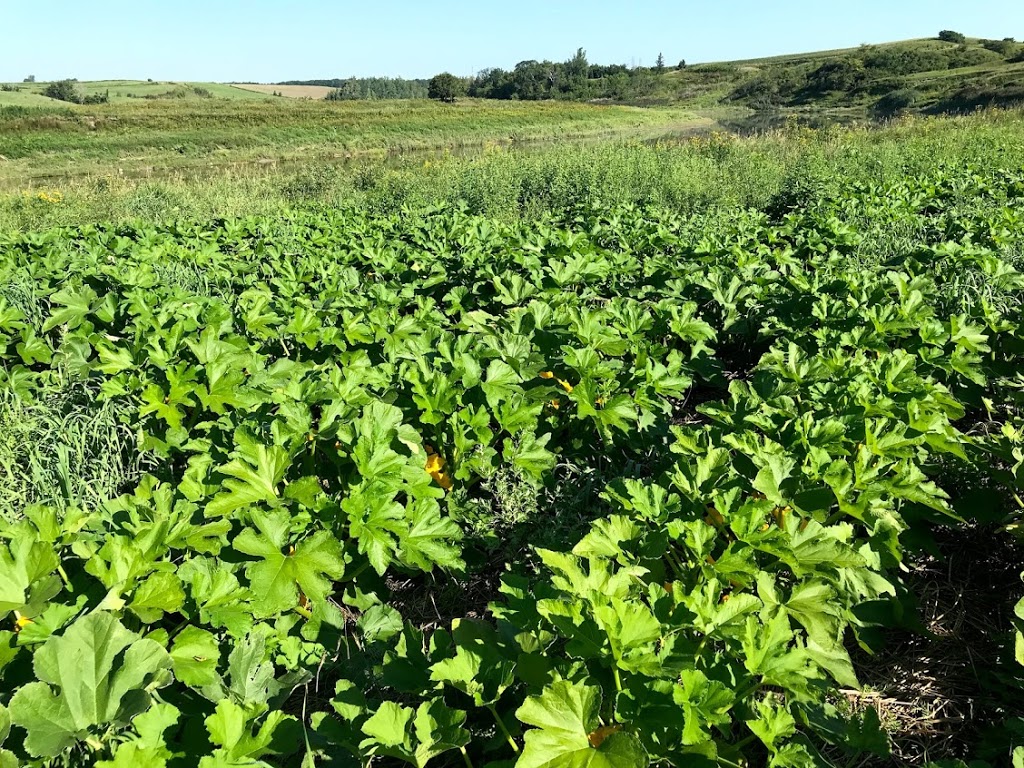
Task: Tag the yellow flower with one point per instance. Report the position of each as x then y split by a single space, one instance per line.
20 622
565 384
435 468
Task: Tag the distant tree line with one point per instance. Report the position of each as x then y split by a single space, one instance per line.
369 88
574 79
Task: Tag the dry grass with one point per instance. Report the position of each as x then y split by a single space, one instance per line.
937 693
289 91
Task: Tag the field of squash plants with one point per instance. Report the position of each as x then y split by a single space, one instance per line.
615 488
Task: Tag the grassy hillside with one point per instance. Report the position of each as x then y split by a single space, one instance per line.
927 75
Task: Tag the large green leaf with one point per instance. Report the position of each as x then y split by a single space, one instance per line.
96 675
278 576
254 476
414 736
568 732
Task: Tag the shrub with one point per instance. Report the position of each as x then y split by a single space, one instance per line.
965 56
64 90
837 75
896 102
949 36
1005 47
315 183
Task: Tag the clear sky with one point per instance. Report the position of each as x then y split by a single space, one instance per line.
270 41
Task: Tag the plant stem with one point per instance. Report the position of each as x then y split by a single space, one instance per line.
63 575
618 680
504 730
465 756
744 741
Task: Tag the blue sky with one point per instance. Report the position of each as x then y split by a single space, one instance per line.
269 41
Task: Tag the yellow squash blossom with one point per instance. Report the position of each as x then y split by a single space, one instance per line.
435 468
550 375
20 622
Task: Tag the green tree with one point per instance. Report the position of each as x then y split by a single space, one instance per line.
574 73
659 64
681 65
445 87
949 36
30 79
64 90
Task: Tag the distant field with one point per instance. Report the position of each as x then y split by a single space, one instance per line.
127 91
288 91
153 135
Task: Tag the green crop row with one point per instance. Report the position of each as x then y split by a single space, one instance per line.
654 479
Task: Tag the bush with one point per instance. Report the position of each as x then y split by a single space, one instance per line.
949 36
8 88
316 183
1006 47
64 90
965 56
837 75
896 102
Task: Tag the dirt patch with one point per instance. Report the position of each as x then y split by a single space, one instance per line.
938 693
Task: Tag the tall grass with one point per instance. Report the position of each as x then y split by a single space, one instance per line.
65 449
689 175
175 133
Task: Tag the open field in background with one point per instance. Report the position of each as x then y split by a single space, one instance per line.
143 136
704 452
688 173
289 91
128 91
